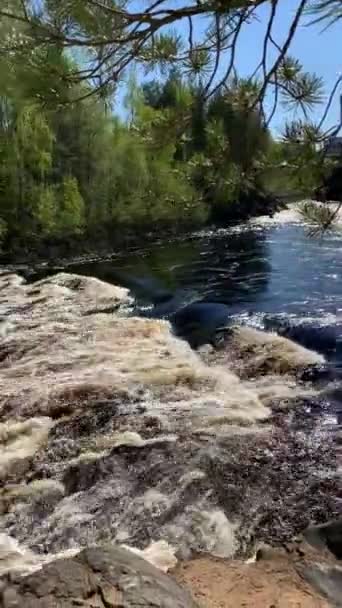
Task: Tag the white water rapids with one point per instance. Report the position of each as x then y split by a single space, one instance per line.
112 429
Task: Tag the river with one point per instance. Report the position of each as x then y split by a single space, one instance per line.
133 437
269 272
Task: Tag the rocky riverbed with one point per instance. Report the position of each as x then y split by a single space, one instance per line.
112 430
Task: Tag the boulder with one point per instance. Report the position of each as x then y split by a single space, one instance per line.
326 580
328 535
101 577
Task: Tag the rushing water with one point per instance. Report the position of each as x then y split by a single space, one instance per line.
267 272
143 439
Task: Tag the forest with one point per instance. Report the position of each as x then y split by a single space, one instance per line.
77 163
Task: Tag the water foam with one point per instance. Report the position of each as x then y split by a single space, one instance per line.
121 415
293 215
266 352
20 441
15 557
160 554
290 215
61 360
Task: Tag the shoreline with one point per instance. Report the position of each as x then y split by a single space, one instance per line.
65 249
295 575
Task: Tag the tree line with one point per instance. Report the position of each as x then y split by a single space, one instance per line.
71 166
79 169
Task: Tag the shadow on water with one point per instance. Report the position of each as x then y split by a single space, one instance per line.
272 276
230 269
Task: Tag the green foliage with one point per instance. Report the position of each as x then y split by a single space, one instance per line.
73 169
299 89
34 139
296 163
326 12
319 217
46 211
3 232
71 219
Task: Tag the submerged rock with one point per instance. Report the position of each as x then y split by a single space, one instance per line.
201 322
99 577
324 339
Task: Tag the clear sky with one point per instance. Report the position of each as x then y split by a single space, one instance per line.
319 51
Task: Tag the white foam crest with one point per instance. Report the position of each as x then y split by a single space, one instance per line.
266 352
60 360
218 533
293 215
281 390
21 440
160 554
290 215
207 530
17 558
133 439
59 357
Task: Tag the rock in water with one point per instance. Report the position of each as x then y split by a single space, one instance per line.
103 577
200 322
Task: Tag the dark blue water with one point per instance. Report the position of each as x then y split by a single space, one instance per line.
265 269
267 274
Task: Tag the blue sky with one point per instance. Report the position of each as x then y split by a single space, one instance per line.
319 51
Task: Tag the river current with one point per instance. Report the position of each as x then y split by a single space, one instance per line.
269 272
129 435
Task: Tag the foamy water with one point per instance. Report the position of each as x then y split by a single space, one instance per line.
59 355
112 429
287 216
293 215
18 558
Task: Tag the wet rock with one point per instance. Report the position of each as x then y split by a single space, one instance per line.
268 553
325 340
199 322
106 577
327 535
326 580
316 373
